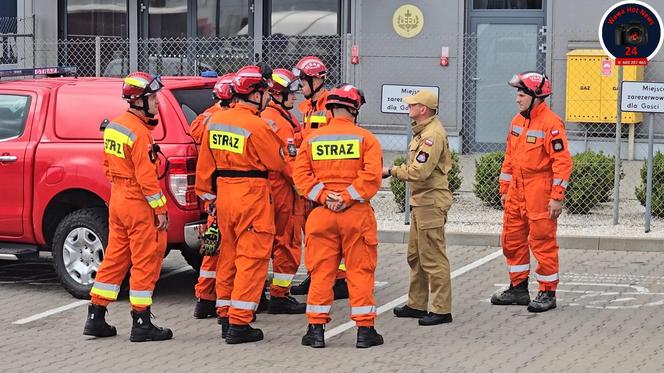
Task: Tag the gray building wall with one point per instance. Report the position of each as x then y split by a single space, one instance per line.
387 58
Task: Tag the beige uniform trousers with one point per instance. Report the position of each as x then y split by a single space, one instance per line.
427 258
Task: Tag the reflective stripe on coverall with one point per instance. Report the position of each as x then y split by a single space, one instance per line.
136 199
288 205
536 169
204 288
347 159
314 116
238 142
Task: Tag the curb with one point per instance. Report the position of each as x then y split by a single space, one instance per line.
600 243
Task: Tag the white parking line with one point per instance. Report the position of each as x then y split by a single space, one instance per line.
51 312
469 267
83 302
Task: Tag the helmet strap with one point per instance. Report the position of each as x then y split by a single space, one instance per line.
259 103
284 98
310 80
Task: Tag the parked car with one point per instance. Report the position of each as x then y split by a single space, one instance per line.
54 194
119 67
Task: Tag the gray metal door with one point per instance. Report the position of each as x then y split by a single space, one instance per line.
496 49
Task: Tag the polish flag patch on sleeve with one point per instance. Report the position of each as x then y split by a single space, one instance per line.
554 132
428 142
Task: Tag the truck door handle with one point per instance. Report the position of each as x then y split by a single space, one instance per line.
8 158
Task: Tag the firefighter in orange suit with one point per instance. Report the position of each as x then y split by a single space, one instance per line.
288 205
238 150
137 214
204 289
339 169
312 73
533 180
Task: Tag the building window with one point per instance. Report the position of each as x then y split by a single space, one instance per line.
507 4
168 18
96 18
304 18
222 18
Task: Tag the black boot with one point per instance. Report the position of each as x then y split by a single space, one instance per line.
223 321
435 319
263 303
144 330
302 288
205 309
407 311
285 306
243 334
95 324
367 336
315 336
340 289
514 295
545 300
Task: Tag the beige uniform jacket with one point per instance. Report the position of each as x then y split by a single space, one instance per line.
429 162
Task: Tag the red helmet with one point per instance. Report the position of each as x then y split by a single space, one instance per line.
533 83
345 95
252 78
310 66
223 89
284 81
140 84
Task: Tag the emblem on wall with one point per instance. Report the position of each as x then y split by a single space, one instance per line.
408 21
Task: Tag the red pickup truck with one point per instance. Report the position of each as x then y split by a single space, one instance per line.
54 195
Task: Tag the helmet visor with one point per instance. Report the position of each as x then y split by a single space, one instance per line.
154 85
516 81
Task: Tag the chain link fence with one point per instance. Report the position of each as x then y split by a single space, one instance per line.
476 106
16 36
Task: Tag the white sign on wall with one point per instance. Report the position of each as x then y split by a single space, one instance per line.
392 97
642 97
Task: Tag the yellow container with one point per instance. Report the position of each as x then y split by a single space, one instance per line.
591 96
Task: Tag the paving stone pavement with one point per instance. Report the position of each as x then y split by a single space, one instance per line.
609 319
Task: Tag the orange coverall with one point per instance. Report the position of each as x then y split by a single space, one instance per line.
314 116
347 159
288 205
536 169
136 199
238 150
204 288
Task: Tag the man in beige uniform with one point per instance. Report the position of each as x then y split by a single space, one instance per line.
429 162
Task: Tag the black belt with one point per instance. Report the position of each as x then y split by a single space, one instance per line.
238 173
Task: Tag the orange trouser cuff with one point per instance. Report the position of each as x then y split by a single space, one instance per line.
99 301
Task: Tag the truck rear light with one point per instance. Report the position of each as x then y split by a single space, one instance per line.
181 181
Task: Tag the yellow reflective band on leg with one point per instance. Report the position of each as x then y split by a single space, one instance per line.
107 294
140 301
282 283
140 298
106 291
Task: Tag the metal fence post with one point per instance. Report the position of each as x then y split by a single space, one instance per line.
651 139
97 56
616 172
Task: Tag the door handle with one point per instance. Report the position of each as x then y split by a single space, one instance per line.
8 158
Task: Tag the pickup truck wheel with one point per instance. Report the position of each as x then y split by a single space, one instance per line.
78 249
192 257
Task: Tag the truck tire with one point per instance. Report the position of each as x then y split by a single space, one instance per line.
78 249
192 257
